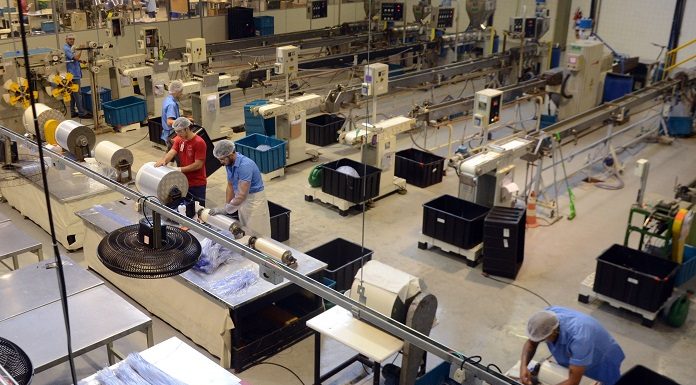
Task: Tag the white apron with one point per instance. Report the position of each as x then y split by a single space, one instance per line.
254 214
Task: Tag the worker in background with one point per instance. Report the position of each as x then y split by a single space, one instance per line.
72 65
191 150
170 109
244 190
152 8
576 341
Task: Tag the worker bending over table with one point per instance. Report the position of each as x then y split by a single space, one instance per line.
244 190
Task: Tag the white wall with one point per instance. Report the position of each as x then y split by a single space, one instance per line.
688 33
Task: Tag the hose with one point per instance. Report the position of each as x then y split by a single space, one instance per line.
563 87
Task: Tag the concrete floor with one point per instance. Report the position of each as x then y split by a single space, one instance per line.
476 315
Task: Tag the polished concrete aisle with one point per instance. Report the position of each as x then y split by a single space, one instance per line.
476 315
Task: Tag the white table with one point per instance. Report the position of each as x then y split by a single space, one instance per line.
373 345
4 218
14 241
182 362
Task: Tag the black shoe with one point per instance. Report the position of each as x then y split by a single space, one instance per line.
86 116
74 115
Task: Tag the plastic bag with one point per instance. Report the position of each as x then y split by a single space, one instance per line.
236 283
106 376
129 376
213 255
151 373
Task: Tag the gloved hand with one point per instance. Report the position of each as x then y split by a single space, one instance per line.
230 208
216 211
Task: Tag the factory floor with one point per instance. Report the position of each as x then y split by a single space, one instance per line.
476 315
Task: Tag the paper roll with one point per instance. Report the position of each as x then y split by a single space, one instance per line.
111 154
71 135
44 113
222 222
160 181
273 250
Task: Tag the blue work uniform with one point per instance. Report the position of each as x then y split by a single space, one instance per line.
246 170
73 67
152 8
583 341
170 109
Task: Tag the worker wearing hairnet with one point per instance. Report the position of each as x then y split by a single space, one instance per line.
72 65
244 189
576 341
170 108
191 150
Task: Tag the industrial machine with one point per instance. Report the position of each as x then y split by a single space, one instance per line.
403 299
155 91
488 104
75 138
149 42
531 27
118 158
124 70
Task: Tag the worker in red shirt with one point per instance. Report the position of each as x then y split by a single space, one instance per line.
191 150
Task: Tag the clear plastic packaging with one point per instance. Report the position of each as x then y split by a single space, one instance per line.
129 376
213 255
236 283
107 376
152 374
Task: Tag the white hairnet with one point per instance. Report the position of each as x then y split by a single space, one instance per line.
541 325
176 86
70 36
223 148
181 123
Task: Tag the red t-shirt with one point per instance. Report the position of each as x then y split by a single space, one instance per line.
189 151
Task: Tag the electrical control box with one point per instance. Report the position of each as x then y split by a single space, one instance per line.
376 80
487 107
392 12
445 17
575 62
286 60
195 48
516 24
317 9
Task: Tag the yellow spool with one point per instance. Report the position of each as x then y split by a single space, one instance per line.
50 131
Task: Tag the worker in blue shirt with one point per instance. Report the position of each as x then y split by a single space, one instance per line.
244 190
152 8
72 64
170 108
576 341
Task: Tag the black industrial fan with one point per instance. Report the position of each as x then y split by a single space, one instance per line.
149 250
15 362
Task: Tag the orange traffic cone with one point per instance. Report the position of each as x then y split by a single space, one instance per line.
531 211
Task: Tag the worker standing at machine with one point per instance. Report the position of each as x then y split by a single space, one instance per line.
191 150
244 189
72 65
152 8
170 109
576 341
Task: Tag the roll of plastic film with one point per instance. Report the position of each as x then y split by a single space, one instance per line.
44 113
273 250
111 154
70 134
160 181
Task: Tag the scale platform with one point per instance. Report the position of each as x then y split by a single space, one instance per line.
273 174
587 295
472 255
315 193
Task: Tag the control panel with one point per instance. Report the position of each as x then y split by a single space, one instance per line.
487 106
376 80
392 12
317 9
445 17
195 48
286 60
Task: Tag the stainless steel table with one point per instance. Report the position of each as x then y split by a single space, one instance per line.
64 185
4 218
36 285
218 322
98 317
14 241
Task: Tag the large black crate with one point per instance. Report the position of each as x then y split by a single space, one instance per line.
347 187
640 375
454 221
344 259
154 129
634 277
322 130
240 23
212 163
280 222
503 241
419 168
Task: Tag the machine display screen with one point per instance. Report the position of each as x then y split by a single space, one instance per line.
495 110
392 12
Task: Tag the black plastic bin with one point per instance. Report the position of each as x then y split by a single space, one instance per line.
503 241
344 259
634 277
419 168
640 375
154 129
348 187
322 130
280 222
454 221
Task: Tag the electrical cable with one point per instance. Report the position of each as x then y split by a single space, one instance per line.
489 366
138 141
54 242
517 286
281 366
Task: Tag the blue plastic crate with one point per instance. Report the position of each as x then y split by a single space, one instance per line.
86 91
48 26
263 21
680 125
125 111
267 161
225 100
687 270
257 124
265 31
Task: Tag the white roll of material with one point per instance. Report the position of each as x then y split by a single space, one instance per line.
71 134
44 113
384 286
271 249
160 181
111 154
222 222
